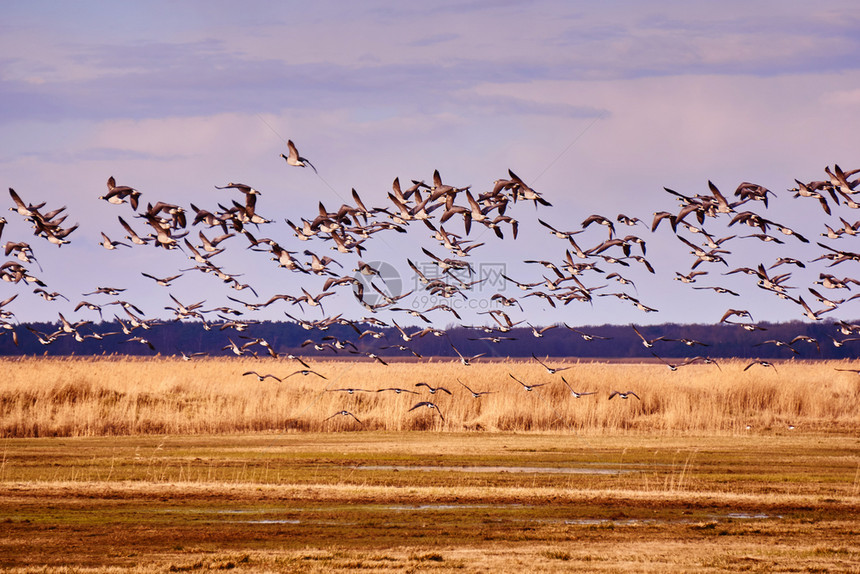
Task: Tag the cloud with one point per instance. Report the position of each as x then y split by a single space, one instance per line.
597 107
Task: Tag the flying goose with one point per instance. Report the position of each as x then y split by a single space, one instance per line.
432 390
574 393
624 395
761 363
163 281
261 377
117 194
475 394
109 244
305 372
397 390
295 159
466 361
429 405
549 369
345 414
647 343
528 388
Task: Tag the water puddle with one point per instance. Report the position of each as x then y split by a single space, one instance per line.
274 516
448 506
600 521
500 469
267 521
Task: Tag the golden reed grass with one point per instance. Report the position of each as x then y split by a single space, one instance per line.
127 396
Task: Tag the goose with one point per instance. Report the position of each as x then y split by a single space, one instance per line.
738 312
538 333
48 296
706 360
263 343
523 191
550 370
44 338
295 159
163 281
142 341
560 234
806 339
90 306
671 366
28 210
312 300
117 194
624 395
403 348
838 344
475 394
428 405
344 414
466 361
211 246
260 377
602 221
397 390
319 265
132 236
23 252
246 189
761 363
236 349
492 339
3 303
110 245
376 358
350 391
660 216
778 343
528 388
433 390
574 393
718 289
647 343
809 313
448 265
305 372
112 291
629 221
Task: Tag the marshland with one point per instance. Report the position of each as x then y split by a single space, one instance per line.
160 464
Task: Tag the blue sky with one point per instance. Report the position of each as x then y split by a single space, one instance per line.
599 106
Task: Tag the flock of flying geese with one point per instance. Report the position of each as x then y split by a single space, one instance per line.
447 278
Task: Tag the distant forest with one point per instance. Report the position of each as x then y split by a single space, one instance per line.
803 340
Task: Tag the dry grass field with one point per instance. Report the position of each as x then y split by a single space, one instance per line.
131 396
159 465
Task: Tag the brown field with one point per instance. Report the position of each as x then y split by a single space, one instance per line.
157 465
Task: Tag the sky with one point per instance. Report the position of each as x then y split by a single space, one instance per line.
599 106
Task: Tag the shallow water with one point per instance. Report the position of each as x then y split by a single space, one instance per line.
270 516
500 469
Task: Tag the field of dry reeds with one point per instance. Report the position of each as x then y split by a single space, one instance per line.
131 396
